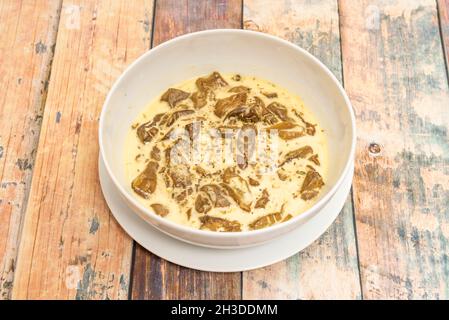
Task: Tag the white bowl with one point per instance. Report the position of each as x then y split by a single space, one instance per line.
227 51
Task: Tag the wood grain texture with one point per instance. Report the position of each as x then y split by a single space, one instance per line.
71 246
328 268
395 75
154 278
177 17
27 36
443 11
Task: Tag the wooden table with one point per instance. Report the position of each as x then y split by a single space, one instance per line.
58 60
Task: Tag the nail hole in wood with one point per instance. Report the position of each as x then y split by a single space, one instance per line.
374 148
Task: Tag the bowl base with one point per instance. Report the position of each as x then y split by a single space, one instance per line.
221 260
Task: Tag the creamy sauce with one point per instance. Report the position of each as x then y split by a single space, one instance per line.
284 195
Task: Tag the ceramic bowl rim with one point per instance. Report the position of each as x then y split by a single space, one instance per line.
181 228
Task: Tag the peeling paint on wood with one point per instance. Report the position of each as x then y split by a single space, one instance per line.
154 278
40 48
94 224
328 268
24 164
84 288
23 72
58 117
71 246
395 75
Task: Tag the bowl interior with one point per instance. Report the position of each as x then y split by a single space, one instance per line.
229 51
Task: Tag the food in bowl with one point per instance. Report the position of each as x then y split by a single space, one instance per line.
226 152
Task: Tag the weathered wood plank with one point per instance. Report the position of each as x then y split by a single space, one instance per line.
27 35
71 246
394 73
328 268
154 278
176 17
443 11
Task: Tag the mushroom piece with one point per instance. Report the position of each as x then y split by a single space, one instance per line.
212 82
181 196
270 95
284 125
155 153
253 182
298 153
314 159
217 195
268 117
263 200
289 135
311 185
145 183
205 86
219 224
265 221
239 89
189 213
282 174
223 106
202 203
180 175
310 128
148 130
246 145
200 170
238 189
193 129
178 153
248 114
173 96
160 209
279 110
285 133
199 99
176 115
